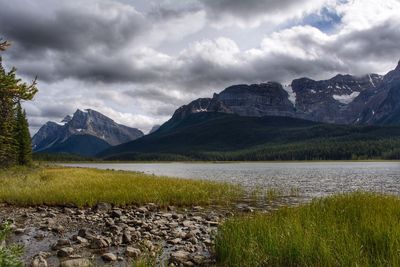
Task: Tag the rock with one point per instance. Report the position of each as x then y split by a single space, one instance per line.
180 256
187 223
199 259
142 210
19 231
149 245
171 208
58 229
88 234
175 241
99 243
40 236
51 215
116 214
81 240
62 243
65 252
109 257
39 261
76 263
126 238
167 215
132 252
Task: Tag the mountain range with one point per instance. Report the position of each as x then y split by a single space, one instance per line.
344 99
84 133
340 118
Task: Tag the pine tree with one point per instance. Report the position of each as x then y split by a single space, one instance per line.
12 92
23 138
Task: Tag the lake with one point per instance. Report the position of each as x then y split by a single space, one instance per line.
312 179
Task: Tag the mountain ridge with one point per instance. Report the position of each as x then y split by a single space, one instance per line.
342 99
99 130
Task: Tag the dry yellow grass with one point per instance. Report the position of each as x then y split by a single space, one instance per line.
86 187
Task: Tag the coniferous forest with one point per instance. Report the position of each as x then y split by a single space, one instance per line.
15 140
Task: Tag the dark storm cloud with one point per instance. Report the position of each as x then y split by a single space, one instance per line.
65 26
254 12
380 42
155 94
247 8
68 36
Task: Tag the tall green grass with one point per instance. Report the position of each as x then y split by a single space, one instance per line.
10 256
360 229
86 187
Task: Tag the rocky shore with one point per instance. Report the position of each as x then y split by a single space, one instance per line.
103 235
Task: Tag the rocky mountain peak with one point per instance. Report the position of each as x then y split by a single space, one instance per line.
66 119
394 74
86 122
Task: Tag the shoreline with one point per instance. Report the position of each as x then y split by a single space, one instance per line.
218 162
117 236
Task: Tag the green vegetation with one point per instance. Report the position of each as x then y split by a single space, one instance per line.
60 157
87 187
14 134
227 137
9 255
359 229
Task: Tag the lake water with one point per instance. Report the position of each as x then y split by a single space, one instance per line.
310 178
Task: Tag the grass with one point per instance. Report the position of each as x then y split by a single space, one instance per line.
359 229
10 256
87 187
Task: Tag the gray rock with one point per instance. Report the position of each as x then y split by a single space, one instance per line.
99 242
65 252
175 241
109 257
19 231
76 263
62 243
132 252
116 213
81 240
126 237
102 207
180 256
86 233
39 261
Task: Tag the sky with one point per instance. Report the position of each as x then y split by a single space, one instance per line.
137 61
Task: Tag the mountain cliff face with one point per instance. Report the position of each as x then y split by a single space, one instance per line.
98 131
344 99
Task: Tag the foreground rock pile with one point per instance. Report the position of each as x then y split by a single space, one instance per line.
62 236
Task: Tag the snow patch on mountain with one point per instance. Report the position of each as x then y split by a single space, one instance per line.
346 99
292 94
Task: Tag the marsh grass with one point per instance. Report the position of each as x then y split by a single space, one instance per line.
359 229
86 187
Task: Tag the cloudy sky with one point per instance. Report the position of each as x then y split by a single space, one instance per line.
138 60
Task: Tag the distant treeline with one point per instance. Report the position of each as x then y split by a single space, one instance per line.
387 149
60 157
